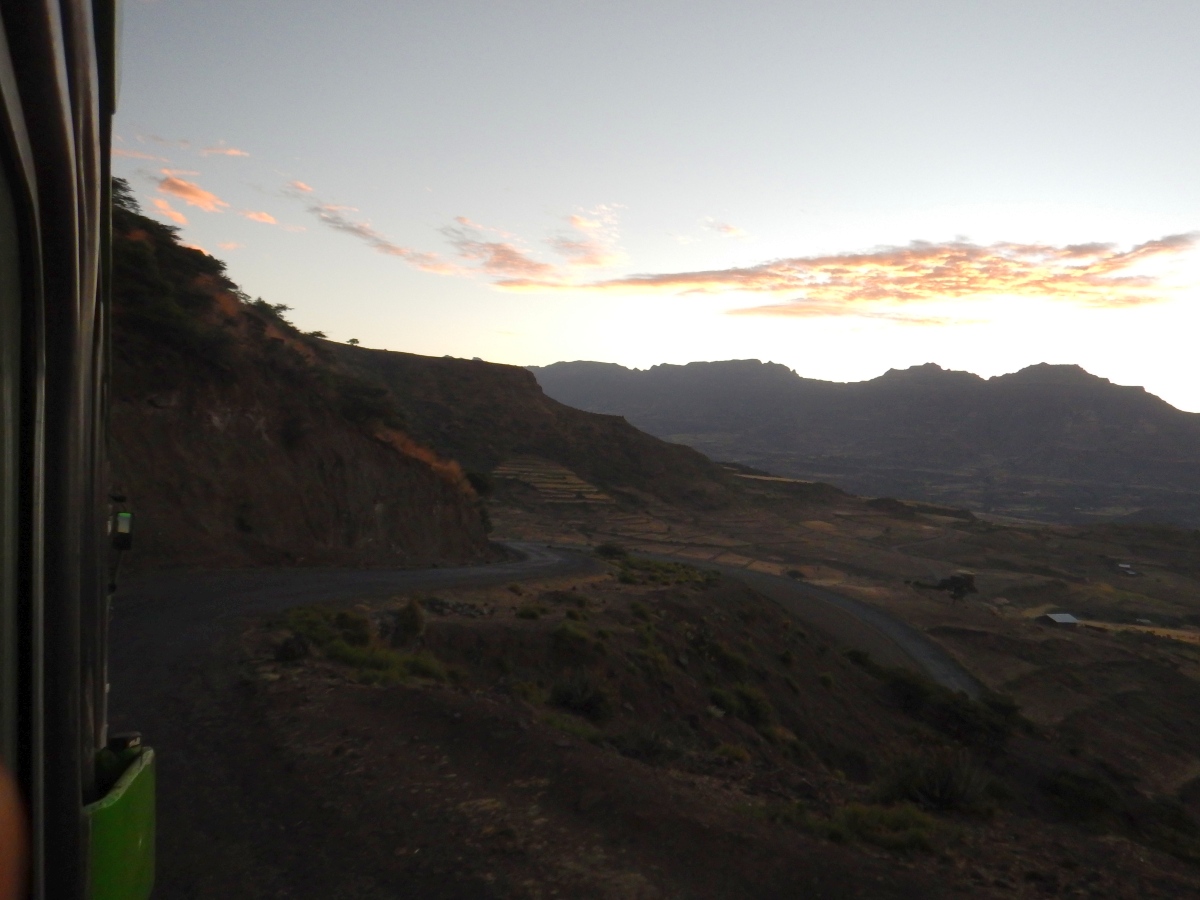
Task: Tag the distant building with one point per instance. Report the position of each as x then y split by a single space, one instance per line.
1060 619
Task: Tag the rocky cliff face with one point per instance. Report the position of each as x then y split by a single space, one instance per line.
239 441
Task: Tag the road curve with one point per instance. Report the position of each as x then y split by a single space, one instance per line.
162 618
859 625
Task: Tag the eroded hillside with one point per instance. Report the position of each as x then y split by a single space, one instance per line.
240 441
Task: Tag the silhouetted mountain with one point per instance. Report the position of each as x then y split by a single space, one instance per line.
1049 442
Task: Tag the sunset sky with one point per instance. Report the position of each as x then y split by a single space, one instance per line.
843 187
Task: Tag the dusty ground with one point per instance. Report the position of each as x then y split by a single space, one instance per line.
481 776
1125 691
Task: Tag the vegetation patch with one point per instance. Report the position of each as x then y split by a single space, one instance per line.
349 637
985 724
635 570
943 780
581 693
903 828
746 703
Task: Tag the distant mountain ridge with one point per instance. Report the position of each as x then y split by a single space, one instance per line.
1050 442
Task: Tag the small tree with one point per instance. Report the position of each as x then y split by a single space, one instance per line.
353 342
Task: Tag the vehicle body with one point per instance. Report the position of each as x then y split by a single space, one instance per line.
57 98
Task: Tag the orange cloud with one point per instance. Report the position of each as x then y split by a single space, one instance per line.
221 150
300 186
136 154
593 243
191 193
196 247
265 218
165 209
877 282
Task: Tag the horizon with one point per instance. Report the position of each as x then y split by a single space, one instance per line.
844 190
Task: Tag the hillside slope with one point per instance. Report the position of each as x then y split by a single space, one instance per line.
1050 442
238 441
483 414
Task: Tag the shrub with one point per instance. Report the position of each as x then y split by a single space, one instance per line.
1080 797
385 660
653 745
826 680
733 753
903 828
987 723
610 550
746 703
639 610
574 727
634 570
320 626
942 780
580 693
408 623
530 611
754 707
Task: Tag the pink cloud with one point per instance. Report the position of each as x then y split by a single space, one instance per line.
230 245
725 229
191 193
300 186
877 282
221 150
495 257
165 209
592 240
335 217
196 247
265 218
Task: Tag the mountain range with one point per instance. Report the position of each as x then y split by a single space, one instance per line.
1050 442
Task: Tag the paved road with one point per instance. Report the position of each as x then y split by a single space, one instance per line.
888 639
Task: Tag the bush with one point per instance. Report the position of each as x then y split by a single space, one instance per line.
530 611
634 570
902 828
1080 797
987 723
580 693
574 727
733 753
746 703
408 623
611 551
941 780
321 626
654 745
384 661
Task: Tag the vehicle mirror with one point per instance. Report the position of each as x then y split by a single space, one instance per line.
122 533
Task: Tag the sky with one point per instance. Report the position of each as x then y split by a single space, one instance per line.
843 187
